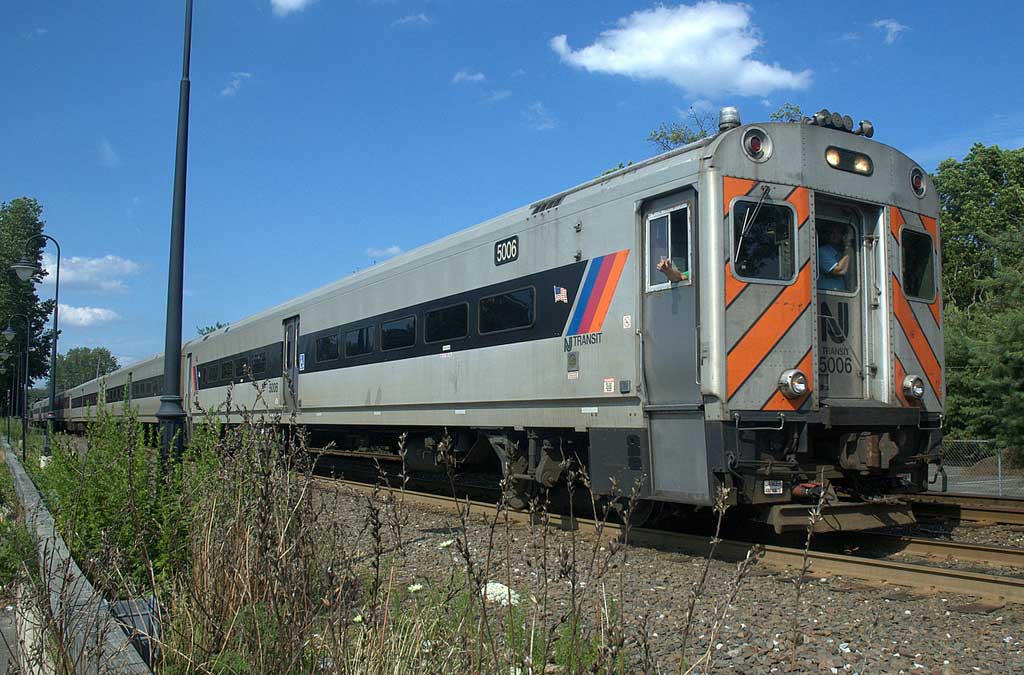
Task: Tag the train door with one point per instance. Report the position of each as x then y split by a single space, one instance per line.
840 285
669 338
290 376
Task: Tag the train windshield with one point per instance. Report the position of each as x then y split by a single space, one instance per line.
918 265
764 241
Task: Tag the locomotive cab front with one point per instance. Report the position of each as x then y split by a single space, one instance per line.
822 375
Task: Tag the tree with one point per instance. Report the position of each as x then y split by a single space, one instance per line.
82 364
20 219
787 112
206 330
701 125
982 201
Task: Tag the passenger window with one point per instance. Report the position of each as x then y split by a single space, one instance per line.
398 334
447 323
241 368
226 371
918 265
259 363
327 348
763 241
837 256
668 248
507 311
359 342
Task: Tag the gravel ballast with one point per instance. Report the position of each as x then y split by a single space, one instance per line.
845 626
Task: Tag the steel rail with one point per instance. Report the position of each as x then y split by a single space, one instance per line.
975 508
880 572
940 549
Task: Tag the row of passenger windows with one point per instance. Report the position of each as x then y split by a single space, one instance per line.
496 313
239 368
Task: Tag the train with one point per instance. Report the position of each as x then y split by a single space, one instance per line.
754 316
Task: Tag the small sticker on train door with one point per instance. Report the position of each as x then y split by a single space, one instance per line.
609 385
302 361
627 321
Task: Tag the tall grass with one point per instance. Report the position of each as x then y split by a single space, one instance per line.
254 572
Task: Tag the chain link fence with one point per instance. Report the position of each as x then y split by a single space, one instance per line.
979 467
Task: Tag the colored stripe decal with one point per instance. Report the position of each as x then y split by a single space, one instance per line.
733 286
779 402
612 283
770 327
933 229
896 221
800 199
916 337
596 293
734 187
595 296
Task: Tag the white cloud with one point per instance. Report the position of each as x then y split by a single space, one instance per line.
496 95
87 316
539 117
35 33
286 7
420 19
104 274
108 156
235 83
892 29
389 252
706 49
850 37
466 75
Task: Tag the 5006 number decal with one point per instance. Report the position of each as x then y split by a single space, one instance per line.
506 251
835 364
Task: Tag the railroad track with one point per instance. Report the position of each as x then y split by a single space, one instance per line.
975 508
822 563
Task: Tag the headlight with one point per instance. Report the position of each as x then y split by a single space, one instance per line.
793 383
913 387
757 144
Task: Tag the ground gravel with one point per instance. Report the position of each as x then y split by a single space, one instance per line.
843 625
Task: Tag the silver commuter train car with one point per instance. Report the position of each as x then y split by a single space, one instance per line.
759 311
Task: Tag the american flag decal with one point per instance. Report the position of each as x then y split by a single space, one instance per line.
561 295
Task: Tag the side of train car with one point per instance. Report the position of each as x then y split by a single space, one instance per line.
793 344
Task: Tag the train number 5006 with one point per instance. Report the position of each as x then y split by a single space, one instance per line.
506 251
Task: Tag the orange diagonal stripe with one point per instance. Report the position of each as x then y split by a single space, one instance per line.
895 221
933 229
800 198
780 402
734 187
768 330
609 290
733 286
918 340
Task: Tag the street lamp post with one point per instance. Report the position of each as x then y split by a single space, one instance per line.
171 414
9 335
25 268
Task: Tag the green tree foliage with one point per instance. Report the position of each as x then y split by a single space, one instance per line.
82 364
20 219
206 330
982 199
701 125
787 112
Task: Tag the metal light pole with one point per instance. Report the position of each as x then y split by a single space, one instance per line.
171 414
9 335
25 269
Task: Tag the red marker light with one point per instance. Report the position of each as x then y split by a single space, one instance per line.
755 145
917 182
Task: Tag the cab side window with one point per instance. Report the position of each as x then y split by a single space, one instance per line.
668 248
918 265
763 241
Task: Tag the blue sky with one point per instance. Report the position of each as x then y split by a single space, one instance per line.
328 134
